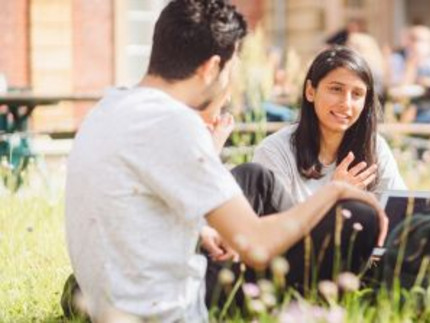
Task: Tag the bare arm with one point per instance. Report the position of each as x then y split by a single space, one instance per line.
257 240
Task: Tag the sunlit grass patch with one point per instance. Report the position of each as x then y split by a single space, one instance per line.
34 262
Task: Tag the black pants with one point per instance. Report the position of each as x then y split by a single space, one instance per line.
258 184
266 197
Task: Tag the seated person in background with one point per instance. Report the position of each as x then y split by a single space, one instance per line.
340 37
367 47
276 107
144 177
336 136
411 66
277 96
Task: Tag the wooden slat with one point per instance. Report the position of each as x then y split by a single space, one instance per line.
390 128
405 128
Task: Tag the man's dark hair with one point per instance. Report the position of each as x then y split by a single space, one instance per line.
360 138
189 32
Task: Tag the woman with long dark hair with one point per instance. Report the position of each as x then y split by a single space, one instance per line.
335 138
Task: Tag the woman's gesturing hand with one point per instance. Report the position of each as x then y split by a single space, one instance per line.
360 175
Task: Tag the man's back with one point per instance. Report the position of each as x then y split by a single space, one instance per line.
132 223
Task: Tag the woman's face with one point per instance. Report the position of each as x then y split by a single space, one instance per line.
338 100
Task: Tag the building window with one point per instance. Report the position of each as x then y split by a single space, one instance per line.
134 25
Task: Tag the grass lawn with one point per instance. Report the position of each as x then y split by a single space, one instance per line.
34 265
34 262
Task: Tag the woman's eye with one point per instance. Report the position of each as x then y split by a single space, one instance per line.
357 94
336 89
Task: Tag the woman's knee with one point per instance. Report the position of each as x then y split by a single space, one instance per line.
360 212
252 171
359 216
257 184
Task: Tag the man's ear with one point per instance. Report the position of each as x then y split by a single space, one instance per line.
210 69
310 91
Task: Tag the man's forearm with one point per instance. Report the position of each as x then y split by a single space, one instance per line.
281 231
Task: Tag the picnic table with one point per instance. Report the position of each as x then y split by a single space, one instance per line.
19 107
15 110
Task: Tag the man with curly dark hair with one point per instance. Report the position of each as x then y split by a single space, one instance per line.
144 177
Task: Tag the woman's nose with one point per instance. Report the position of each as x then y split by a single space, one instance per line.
347 99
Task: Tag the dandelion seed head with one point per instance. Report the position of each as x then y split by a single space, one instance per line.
260 255
266 286
357 226
348 282
251 290
304 312
226 276
328 289
280 266
257 306
269 300
346 213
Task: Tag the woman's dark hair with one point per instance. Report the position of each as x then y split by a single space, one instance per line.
189 32
360 138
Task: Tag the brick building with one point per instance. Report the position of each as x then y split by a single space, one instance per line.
86 45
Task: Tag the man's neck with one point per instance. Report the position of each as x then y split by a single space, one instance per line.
179 90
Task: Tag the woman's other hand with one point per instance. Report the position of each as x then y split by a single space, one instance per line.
359 176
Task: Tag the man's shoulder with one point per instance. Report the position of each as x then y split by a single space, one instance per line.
150 106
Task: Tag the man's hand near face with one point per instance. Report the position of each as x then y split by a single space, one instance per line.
220 125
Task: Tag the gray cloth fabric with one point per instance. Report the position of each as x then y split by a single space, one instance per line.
276 153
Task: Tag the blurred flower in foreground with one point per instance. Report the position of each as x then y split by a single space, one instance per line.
346 213
251 290
266 286
357 226
256 306
259 255
348 282
304 312
269 300
328 289
226 276
280 266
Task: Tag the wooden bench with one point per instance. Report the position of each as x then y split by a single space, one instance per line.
385 128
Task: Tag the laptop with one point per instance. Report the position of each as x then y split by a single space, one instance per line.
395 203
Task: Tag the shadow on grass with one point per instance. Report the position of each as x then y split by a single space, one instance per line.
62 319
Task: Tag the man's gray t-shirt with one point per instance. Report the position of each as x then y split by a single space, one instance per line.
142 174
